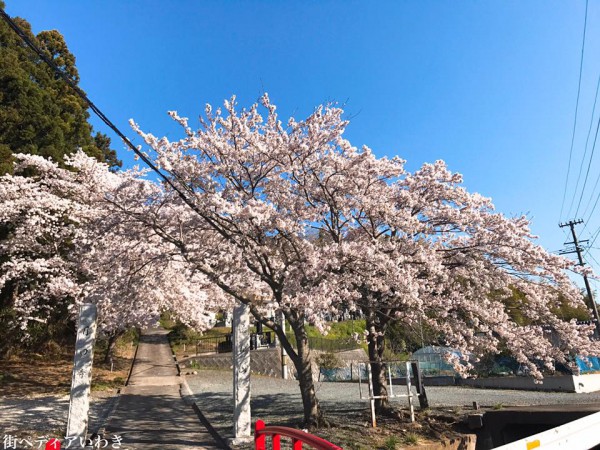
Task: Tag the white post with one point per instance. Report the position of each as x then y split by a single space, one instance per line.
241 375
360 381
79 405
371 396
409 389
284 368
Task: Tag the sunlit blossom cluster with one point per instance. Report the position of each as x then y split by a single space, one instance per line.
67 243
295 215
289 218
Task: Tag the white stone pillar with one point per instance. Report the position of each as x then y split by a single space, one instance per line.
77 422
284 356
242 429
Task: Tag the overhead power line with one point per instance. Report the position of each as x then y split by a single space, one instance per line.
587 140
97 111
593 240
597 178
577 249
576 109
594 259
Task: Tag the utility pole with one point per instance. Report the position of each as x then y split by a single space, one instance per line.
577 249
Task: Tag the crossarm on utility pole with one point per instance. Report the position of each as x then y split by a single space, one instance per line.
571 224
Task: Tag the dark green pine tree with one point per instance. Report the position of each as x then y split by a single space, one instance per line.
39 113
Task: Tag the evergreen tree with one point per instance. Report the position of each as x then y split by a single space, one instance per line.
39 113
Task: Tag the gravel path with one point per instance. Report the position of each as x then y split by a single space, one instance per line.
151 414
278 401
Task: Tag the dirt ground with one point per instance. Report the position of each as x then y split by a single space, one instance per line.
354 431
32 374
27 378
278 403
34 390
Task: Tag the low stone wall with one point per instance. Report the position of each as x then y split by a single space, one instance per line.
566 383
352 356
268 362
587 383
561 383
262 362
438 380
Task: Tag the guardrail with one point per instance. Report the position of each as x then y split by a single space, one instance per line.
298 437
579 434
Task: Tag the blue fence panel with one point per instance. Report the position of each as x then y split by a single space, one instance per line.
589 364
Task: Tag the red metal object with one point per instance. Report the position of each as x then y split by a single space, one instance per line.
298 437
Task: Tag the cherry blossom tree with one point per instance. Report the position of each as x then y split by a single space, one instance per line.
436 254
399 246
40 225
247 232
65 244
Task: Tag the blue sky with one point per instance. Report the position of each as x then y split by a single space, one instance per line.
488 86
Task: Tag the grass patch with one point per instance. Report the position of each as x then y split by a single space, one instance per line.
391 442
339 330
340 336
107 384
411 439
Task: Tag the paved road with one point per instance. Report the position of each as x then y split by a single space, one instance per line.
151 413
278 401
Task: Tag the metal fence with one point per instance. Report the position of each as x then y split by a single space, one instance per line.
328 345
220 343
354 371
223 343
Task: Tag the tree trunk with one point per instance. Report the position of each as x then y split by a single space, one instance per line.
110 347
376 341
302 360
313 416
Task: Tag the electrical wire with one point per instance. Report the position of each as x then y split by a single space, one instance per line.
587 140
592 240
597 179
97 111
576 109
594 259
168 181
